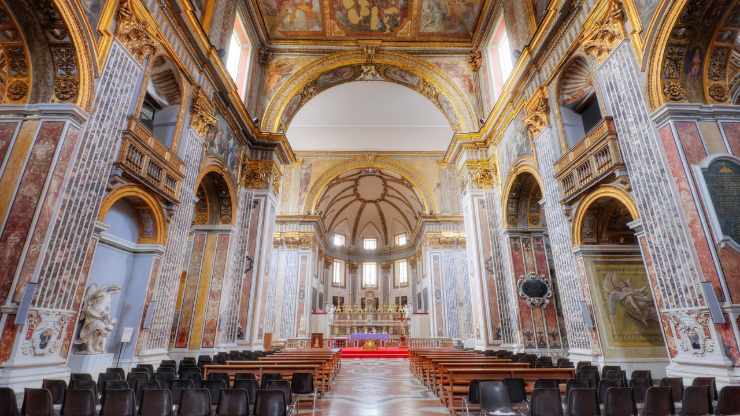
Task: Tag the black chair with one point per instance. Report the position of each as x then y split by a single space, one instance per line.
604 386
589 376
193 376
164 377
283 386
494 398
112 385
117 371
639 388
79 402
250 386
233 402
195 402
709 382
583 402
155 402
642 375
473 397
177 387
119 403
616 376
267 378
564 363
729 401
695 401
57 389
545 402
676 385
517 392
270 403
215 387
37 402
80 376
84 384
619 402
605 369
658 402
220 376
572 384
301 385
545 384
582 364
8 403
105 377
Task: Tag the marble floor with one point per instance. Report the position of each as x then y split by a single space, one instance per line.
377 387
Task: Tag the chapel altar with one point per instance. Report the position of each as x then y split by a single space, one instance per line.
392 320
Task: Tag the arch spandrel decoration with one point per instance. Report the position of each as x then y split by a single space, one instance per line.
402 69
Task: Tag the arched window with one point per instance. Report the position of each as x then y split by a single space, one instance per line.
579 105
500 61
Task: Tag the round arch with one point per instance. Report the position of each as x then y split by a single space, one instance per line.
83 43
142 198
215 166
605 191
318 188
343 67
523 166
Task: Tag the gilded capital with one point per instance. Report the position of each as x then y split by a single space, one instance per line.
261 174
133 32
482 173
203 115
537 112
605 33
475 60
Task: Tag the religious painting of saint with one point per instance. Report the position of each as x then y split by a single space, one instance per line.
371 16
292 15
449 16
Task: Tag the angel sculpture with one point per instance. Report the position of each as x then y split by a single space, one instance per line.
637 303
97 321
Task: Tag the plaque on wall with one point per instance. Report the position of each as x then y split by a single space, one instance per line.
536 290
722 179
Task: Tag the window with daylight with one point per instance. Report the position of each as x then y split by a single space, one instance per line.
369 274
401 240
402 273
370 243
338 240
237 59
338 273
500 62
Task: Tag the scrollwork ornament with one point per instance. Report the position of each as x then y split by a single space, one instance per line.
718 92
17 90
537 113
476 60
65 88
133 33
606 33
203 114
674 90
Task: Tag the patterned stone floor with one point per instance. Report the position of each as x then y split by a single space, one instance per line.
377 387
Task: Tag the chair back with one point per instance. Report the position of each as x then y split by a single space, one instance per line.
589 376
250 386
195 402
8 403
619 402
605 369
302 383
245 376
729 401
79 403
707 381
604 386
676 385
658 402
284 386
233 402
220 376
639 389
80 376
564 363
57 389
215 387
177 387
494 397
117 371
695 401
545 384
156 402
582 402
193 376
474 392
84 384
545 402
270 403
517 389
119 403
37 402
267 378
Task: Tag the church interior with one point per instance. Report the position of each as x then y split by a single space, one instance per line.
369 207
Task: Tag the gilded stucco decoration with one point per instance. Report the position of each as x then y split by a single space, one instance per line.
15 73
261 174
293 239
722 71
604 34
537 112
481 173
444 239
335 69
203 114
476 60
133 32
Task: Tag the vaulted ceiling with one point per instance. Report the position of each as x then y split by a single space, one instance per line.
395 20
370 203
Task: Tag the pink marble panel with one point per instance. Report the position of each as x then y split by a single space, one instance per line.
7 131
549 312
249 274
214 295
485 237
693 148
732 134
23 207
7 338
525 312
190 291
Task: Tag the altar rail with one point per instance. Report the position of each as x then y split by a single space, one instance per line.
418 343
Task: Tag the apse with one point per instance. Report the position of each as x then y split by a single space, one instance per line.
369 115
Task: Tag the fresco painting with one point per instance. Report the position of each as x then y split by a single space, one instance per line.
375 16
451 17
292 15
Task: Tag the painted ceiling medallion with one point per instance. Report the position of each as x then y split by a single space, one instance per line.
535 289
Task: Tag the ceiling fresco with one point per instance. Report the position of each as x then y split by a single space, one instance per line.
397 20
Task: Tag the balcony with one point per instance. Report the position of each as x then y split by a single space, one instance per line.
144 159
591 161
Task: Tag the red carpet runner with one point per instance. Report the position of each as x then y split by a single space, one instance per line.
402 352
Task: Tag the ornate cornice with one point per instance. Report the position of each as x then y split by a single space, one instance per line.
481 173
133 32
443 239
293 239
203 114
537 112
261 174
606 32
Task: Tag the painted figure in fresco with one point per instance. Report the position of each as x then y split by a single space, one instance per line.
97 321
371 15
297 15
637 302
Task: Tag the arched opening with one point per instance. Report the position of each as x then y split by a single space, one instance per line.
162 100
540 319
214 204
579 104
606 245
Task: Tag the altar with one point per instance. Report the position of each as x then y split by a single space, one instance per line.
389 320
361 339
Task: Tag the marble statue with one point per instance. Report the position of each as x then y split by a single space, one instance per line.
330 310
97 321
